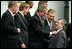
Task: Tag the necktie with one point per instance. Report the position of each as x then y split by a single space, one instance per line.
41 20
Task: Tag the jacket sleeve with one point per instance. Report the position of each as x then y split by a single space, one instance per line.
8 24
38 29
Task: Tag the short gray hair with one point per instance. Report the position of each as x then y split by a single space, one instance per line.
63 21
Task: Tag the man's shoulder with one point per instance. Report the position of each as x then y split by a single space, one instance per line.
6 14
62 33
35 17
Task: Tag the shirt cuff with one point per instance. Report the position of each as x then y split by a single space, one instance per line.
50 33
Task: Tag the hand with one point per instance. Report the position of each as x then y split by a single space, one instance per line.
54 32
23 45
18 30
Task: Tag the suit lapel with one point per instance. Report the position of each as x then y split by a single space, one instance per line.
23 18
39 20
11 17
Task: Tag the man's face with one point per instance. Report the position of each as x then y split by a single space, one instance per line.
43 13
59 24
26 10
15 7
51 15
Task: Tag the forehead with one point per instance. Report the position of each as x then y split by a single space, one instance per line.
52 12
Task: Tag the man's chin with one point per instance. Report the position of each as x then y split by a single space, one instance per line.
25 14
14 12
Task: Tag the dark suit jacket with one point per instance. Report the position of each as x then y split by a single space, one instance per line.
22 24
53 24
9 34
28 17
37 32
58 41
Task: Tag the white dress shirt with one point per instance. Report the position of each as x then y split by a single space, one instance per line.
11 12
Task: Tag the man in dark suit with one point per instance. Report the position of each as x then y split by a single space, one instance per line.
38 30
9 31
59 40
50 19
22 23
49 23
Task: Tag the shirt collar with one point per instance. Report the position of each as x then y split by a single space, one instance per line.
38 15
11 12
59 29
49 22
21 13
